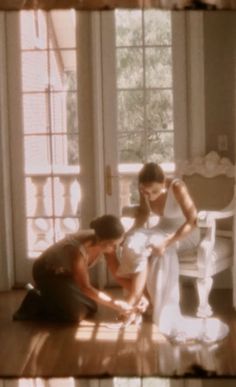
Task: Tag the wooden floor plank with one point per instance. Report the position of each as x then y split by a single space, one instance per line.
97 349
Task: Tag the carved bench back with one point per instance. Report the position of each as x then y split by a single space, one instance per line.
210 181
211 193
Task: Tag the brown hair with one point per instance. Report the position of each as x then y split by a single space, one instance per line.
107 227
151 173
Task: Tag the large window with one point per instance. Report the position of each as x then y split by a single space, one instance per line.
144 86
123 65
50 126
144 94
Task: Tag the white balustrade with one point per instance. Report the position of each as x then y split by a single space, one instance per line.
67 182
46 224
40 225
39 183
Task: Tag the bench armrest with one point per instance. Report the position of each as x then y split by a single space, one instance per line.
207 218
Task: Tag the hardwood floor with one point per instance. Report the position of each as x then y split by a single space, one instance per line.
95 348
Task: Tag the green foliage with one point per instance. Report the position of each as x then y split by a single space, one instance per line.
145 106
72 119
144 82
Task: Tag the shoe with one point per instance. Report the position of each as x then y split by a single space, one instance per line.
133 318
31 307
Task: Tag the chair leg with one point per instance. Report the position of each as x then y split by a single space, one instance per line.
204 286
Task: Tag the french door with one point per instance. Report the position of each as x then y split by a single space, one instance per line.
44 130
90 100
60 153
140 93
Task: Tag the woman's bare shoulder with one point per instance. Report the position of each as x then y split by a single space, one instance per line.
180 189
174 182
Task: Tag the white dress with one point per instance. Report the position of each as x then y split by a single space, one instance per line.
163 276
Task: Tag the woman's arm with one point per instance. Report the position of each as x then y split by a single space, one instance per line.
135 286
113 265
189 210
81 276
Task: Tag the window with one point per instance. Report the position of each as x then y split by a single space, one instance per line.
53 155
144 94
50 126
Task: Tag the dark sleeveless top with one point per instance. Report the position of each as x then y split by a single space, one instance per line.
59 257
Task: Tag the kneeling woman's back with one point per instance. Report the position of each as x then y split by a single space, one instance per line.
63 288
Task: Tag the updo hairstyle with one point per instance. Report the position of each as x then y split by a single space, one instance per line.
107 227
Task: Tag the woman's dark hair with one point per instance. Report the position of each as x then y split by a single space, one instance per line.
151 173
107 227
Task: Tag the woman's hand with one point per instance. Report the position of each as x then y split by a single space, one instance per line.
142 304
123 307
158 251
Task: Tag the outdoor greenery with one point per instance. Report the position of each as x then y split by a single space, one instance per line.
144 86
72 119
144 89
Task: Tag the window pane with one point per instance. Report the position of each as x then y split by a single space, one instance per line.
33 30
62 70
158 67
35 113
160 147
131 148
37 153
128 27
159 109
34 71
72 122
157 27
130 110
62 37
65 150
63 113
129 68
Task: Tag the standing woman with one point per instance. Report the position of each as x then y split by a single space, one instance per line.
63 288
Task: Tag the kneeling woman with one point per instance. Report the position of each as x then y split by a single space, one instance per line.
61 274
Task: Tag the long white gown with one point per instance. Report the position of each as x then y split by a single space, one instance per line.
163 277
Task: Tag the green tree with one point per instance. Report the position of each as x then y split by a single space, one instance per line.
142 101
72 119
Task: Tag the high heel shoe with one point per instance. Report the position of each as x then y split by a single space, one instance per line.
133 318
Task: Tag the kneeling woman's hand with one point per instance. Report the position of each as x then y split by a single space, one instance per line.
123 307
142 305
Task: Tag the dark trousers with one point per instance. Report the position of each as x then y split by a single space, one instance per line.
62 299
57 298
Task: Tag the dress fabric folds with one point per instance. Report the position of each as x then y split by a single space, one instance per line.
163 276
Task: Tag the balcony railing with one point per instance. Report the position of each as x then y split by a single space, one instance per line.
53 205
53 202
